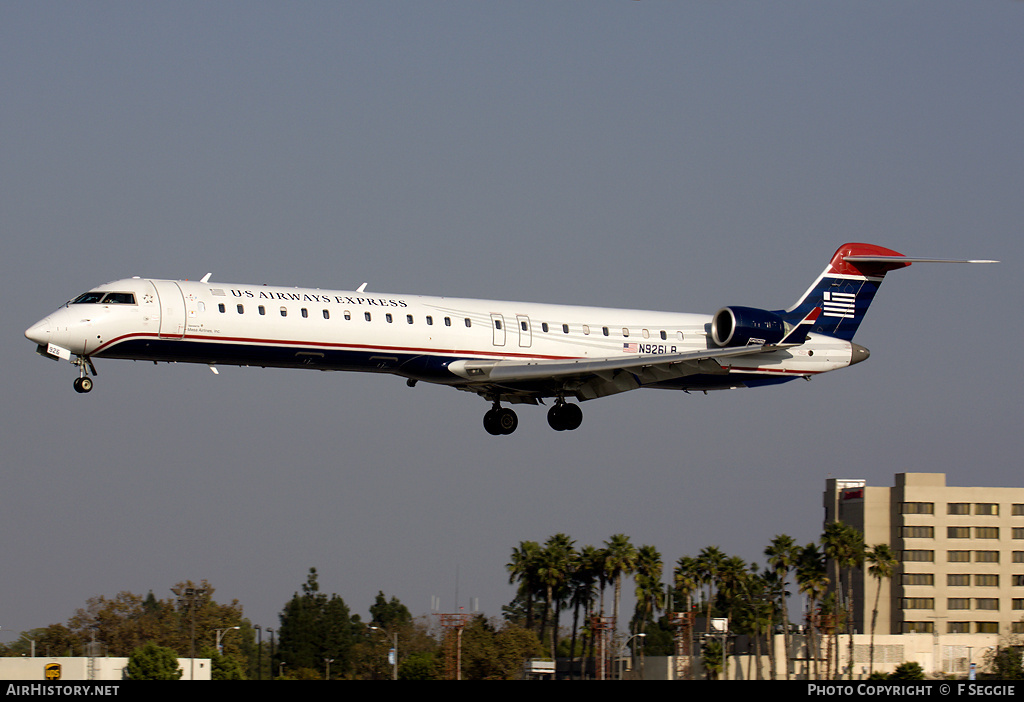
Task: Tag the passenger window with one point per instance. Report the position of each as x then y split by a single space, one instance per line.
468 323
408 318
261 309
348 315
221 307
544 326
305 313
565 328
586 329
367 316
604 330
646 334
327 315
241 309
625 332
522 325
388 317
447 321
430 321
284 311
664 336
497 324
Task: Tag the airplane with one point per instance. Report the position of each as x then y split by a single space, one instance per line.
509 353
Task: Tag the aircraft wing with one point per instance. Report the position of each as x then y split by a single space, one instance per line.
590 378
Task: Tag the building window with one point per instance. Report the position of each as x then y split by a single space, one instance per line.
918 532
958 532
958 580
1018 603
917 508
958 508
987 509
918 603
990 603
986 532
918 556
918 579
958 556
986 556
1018 533
986 627
1018 510
1018 580
958 603
918 627
986 580
1018 556
958 628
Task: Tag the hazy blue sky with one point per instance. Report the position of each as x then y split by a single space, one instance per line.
664 155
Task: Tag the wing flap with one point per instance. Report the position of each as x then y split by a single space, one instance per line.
592 378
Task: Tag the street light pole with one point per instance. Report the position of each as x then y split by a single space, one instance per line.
394 641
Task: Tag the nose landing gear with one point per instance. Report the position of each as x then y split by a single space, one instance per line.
83 383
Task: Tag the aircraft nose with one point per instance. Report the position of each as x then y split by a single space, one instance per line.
39 332
858 354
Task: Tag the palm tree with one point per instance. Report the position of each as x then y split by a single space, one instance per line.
553 567
709 563
620 559
582 582
522 568
782 555
844 547
812 580
883 567
650 596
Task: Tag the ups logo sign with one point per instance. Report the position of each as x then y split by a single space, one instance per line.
52 671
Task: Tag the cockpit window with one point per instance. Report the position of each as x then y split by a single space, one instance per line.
112 298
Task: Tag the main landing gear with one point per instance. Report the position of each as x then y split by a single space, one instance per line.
500 420
565 417
561 417
83 383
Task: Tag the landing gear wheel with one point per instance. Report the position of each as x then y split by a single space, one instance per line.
500 420
83 384
565 417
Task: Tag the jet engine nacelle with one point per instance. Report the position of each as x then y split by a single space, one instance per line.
740 326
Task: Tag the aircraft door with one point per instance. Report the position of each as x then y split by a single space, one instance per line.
498 327
525 332
171 302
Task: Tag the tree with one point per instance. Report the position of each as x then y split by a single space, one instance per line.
812 580
782 556
153 662
553 566
844 547
315 627
522 569
883 566
620 559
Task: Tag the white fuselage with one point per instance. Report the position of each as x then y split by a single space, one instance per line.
410 335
